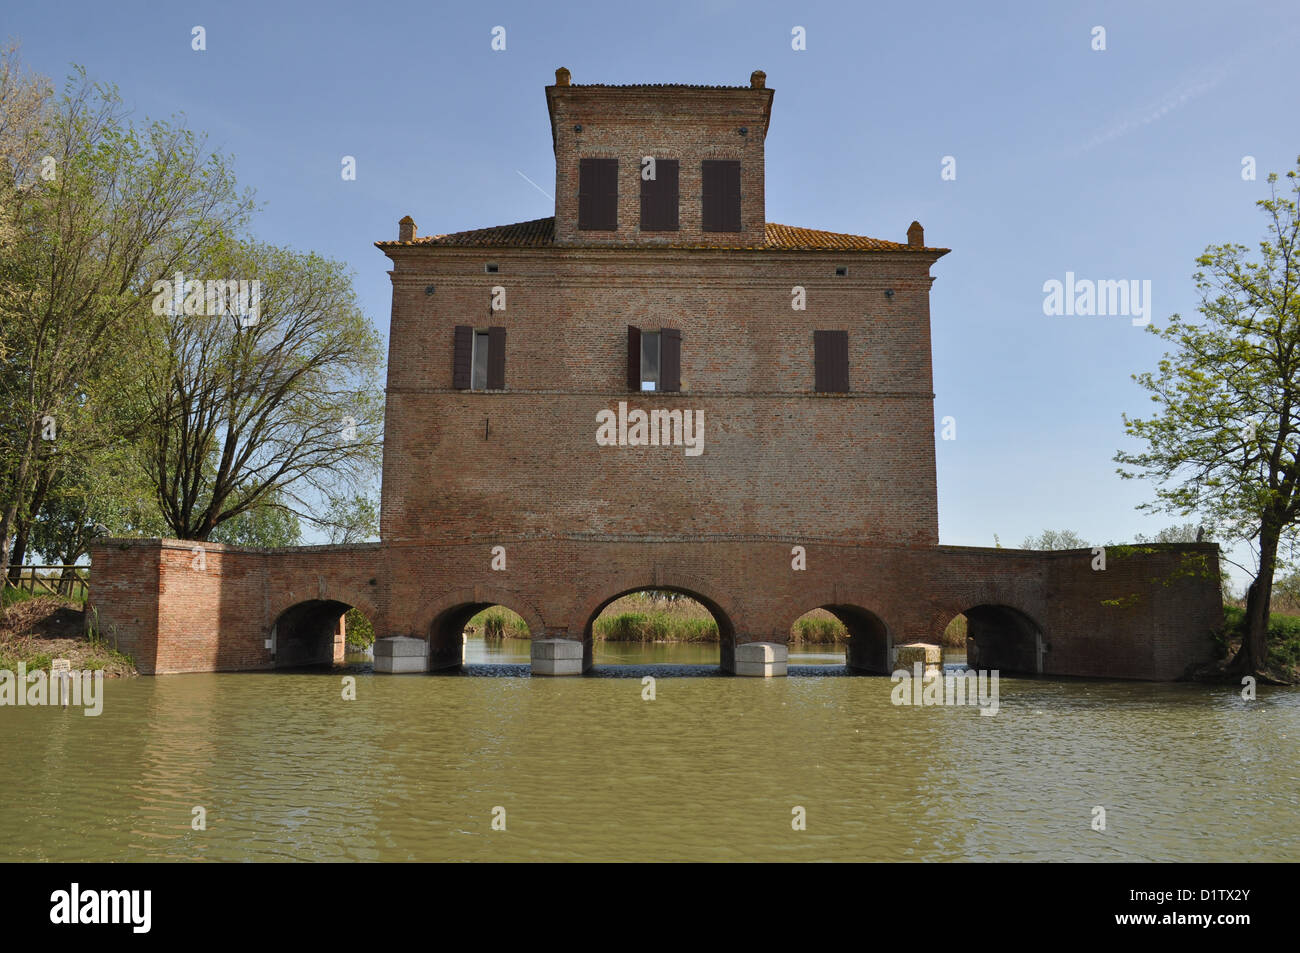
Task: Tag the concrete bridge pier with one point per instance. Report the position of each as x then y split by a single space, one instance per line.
757 659
558 657
401 655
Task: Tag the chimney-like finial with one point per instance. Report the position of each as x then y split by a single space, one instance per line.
562 76
758 79
916 235
406 229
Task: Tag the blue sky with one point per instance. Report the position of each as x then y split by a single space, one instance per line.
1115 164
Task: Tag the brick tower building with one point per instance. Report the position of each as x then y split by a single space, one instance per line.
657 388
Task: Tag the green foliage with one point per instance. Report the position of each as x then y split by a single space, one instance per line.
1224 437
498 622
125 204
1283 636
1055 539
191 424
654 627
954 636
10 596
1183 533
358 629
269 526
822 631
351 519
283 411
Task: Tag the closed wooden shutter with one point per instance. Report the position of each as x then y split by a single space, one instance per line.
496 371
721 198
831 362
633 358
659 198
598 194
462 357
670 359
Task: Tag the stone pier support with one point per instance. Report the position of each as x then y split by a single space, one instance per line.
760 659
929 656
557 657
400 655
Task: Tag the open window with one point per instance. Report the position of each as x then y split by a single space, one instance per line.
654 359
479 357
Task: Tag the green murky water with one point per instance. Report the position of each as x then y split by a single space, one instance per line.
585 769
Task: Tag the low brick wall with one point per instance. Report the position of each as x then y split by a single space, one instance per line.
182 607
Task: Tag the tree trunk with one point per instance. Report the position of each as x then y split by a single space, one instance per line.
18 553
24 519
1252 657
9 516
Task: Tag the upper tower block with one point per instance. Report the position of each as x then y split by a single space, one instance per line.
704 186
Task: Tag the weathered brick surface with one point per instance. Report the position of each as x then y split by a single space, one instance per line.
850 477
1144 617
525 460
690 125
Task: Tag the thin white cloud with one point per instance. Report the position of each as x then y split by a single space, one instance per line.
1154 112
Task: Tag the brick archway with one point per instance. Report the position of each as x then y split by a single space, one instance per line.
442 625
871 635
479 596
1006 636
688 584
348 597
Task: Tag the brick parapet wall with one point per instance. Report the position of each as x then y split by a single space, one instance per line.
1147 616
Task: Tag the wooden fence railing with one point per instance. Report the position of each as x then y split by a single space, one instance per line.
49 580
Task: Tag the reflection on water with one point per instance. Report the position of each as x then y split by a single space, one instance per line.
586 769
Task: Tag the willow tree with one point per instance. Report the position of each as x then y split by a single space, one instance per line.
265 397
1222 442
110 207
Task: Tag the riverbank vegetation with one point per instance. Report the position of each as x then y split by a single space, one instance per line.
358 631
35 630
162 372
1221 442
1283 639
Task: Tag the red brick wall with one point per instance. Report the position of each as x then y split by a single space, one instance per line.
851 477
1157 624
777 457
689 125
123 602
218 618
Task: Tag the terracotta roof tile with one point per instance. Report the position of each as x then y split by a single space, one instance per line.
540 233
651 86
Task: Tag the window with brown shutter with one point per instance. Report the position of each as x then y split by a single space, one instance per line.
654 359
831 362
633 358
659 199
462 357
479 359
598 195
670 359
721 196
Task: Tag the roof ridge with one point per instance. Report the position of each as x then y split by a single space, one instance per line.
540 232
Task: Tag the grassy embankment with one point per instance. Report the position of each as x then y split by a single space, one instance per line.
38 629
1283 638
